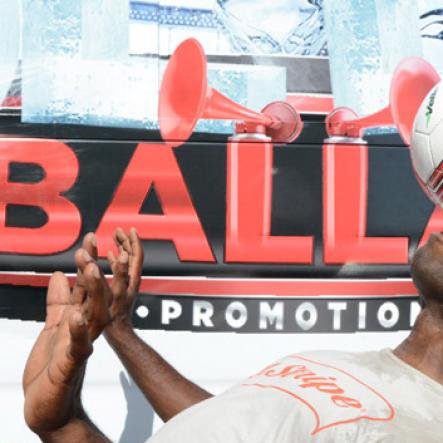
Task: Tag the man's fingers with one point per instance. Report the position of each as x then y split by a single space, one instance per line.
82 259
57 299
83 256
122 240
111 258
136 263
136 246
98 300
90 244
80 347
58 289
131 244
120 269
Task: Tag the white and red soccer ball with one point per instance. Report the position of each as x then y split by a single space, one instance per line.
427 144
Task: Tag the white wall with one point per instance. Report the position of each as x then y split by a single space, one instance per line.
215 361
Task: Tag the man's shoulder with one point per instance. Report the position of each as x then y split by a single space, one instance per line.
327 355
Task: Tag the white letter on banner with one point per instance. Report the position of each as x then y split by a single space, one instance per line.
381 315
171 310
270 315
240 308
299 316
337 307
202 311
362 315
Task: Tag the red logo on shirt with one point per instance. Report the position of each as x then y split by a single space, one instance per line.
335 396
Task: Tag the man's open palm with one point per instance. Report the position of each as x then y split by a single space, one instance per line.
55 368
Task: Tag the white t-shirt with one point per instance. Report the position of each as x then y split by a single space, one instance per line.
319 397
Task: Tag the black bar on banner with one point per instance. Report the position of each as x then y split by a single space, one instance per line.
241 314
275 315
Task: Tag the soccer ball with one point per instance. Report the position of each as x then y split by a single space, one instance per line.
427 144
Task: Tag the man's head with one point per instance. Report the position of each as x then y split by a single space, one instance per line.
427 270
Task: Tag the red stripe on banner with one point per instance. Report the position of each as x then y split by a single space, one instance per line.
280 287
12 102
311 103
248 287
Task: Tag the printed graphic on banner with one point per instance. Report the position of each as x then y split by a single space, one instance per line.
193 209
264 207
286 50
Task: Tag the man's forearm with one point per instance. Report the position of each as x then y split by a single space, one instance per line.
168 391
77 430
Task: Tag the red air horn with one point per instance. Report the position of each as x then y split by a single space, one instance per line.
412 80
186 97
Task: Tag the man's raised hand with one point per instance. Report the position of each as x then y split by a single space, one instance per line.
167 391
55 368
126 269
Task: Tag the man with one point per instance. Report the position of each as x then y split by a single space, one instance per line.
312 397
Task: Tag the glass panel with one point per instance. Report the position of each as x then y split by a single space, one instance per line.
9 52
100 62
87 74
368 40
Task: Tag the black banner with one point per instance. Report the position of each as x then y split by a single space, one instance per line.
242 314
221 209
275 315
396 207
